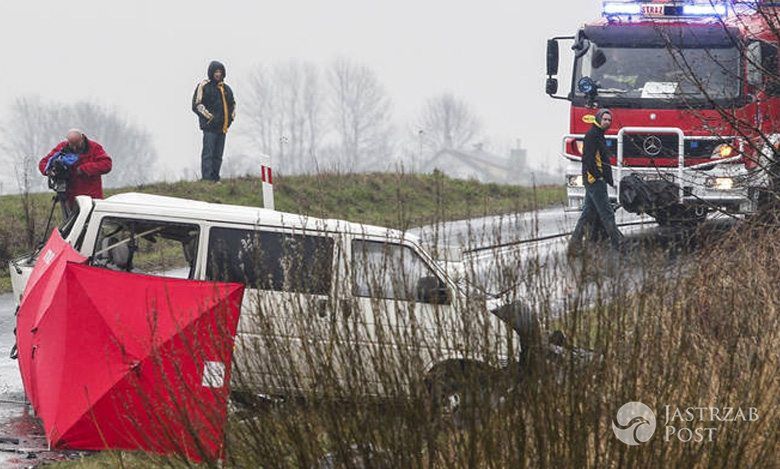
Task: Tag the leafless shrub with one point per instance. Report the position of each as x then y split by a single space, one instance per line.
447 122
33 127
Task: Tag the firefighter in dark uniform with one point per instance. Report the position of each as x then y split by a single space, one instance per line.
596 174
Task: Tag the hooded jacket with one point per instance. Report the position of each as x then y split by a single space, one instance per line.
595 157
86 173
213 102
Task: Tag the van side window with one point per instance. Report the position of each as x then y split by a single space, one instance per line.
147 246
396 272
271 261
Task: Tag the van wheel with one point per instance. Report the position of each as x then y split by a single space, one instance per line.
462 393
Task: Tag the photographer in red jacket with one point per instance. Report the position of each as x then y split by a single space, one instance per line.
75 167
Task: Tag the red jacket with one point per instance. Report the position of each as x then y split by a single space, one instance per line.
86 174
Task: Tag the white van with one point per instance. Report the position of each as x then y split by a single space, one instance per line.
346 282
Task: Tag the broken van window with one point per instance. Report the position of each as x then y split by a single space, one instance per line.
270 260
147 246
67 224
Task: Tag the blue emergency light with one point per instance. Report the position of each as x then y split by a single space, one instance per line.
704 9
613 8
634 8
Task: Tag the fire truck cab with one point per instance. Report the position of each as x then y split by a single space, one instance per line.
694 94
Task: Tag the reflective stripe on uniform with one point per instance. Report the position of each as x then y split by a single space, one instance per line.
592 178
221 87
199 101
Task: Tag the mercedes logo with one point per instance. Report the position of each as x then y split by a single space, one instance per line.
652 146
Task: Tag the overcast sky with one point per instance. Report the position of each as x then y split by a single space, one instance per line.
146 57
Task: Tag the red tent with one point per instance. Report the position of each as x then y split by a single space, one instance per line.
39 289
126 361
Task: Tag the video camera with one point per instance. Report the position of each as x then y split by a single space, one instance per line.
59 169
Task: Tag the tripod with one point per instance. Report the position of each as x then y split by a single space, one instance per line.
59 197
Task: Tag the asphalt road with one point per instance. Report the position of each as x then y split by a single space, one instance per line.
506 229
19 431
536 242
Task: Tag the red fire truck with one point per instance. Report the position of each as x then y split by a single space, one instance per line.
695 98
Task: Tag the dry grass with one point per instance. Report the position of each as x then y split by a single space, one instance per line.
698 333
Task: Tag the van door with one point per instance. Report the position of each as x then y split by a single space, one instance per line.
409 306
288 311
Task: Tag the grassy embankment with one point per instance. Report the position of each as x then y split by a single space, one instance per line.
394 200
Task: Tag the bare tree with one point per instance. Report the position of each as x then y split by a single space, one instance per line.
360 112
284 107
34 126
447 122
261 110
29 132
130 146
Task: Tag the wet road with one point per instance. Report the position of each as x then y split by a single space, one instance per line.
19 431
10 381
536 242
507 229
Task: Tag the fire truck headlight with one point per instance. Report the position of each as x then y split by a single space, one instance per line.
574 181
723 150
720 183
574 146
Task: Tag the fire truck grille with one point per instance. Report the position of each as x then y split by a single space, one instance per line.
651 146
694 148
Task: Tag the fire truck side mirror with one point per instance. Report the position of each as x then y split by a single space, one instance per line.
552 86
552 57
599 59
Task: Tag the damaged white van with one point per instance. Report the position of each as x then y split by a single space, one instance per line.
326 301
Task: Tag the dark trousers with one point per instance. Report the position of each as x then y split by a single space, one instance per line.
597 209
211 156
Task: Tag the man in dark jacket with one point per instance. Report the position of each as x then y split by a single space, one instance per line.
215 106
87 162
596 174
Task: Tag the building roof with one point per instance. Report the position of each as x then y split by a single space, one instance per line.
480 160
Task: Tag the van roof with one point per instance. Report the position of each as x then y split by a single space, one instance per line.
186 209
